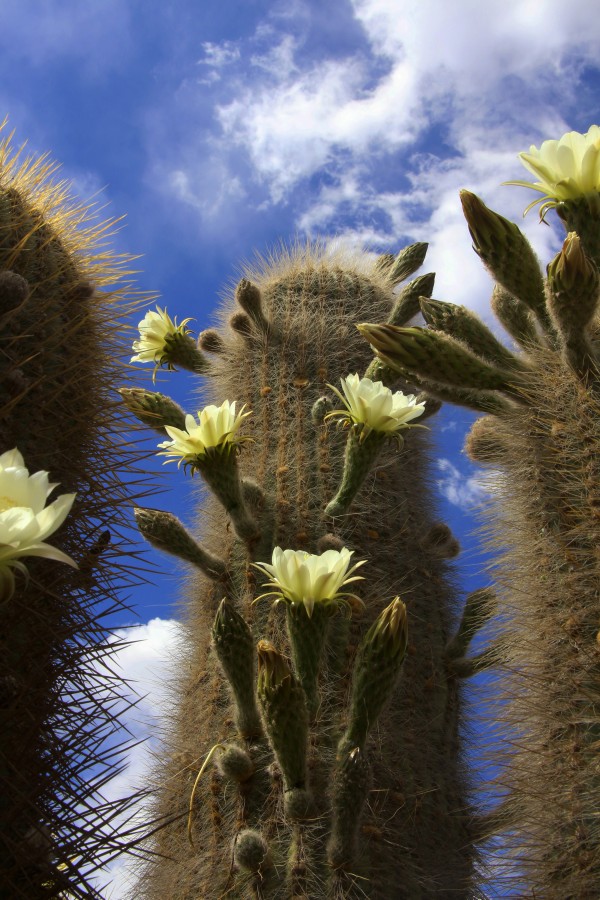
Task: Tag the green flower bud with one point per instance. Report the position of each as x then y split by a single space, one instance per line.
165 532
153 409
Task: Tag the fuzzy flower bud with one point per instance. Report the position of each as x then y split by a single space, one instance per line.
389 631
273 668
153 409
486 227
25 520
376 669
571 268
572 290
164 531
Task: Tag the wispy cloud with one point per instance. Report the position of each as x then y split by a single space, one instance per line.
371 136
465 491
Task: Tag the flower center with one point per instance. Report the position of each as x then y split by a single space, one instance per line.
7 503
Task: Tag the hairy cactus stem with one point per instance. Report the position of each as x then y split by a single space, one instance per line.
360 456
64 301
312 300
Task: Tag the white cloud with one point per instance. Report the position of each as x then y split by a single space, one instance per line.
291 130
279 59
147 661
440 60
486 75
219 55
459 489
372 136
206 191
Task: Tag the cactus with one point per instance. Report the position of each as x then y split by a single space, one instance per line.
543 443
63 299
353 782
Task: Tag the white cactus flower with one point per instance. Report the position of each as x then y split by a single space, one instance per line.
303 578
216 429
25 520
567 169
374 407
155 330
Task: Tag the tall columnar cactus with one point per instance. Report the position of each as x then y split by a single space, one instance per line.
541 438
62 303
335 775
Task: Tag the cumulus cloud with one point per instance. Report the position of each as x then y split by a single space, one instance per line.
429 63
147 660
372 136
465 491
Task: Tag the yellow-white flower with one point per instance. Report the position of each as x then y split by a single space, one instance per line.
25 520
155 330
374 407
303 578
216 429
567 169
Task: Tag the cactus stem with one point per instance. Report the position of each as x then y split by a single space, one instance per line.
221 473
359 459
307 639
479 607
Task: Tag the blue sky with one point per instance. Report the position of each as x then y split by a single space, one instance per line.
220 128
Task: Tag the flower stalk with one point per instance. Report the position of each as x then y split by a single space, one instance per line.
210 447
373 413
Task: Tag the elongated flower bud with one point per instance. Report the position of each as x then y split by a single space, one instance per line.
377 666
407 304
435 356
249 298
165 532
234 646
284 712
506 252
480 605
405 263
573 286
153 409
573 301
462 324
